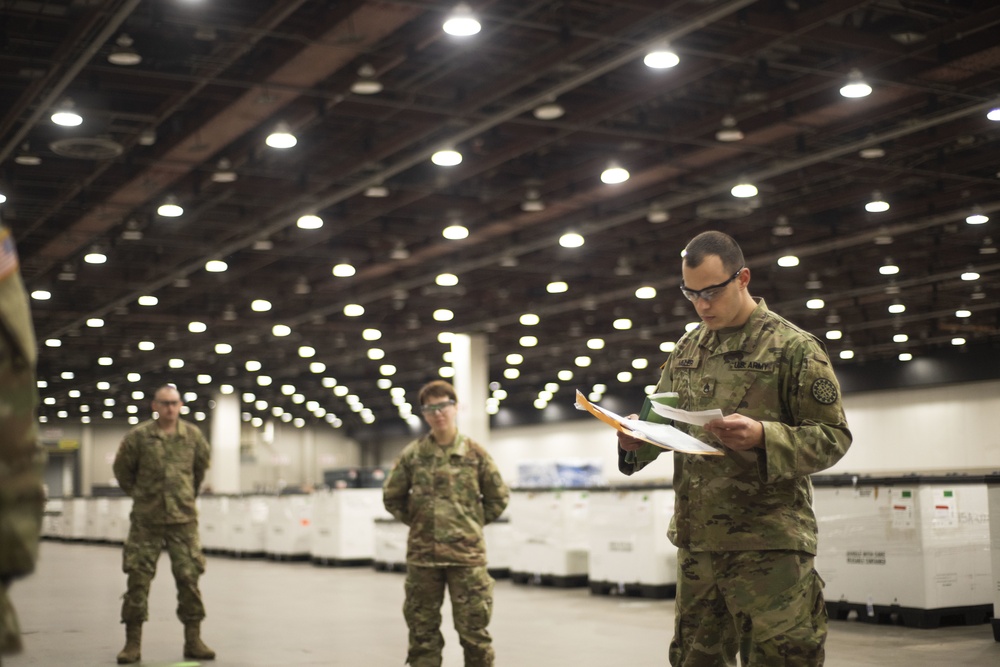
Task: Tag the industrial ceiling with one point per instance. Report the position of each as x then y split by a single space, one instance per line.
178 98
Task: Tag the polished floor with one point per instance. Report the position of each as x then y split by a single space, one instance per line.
269 614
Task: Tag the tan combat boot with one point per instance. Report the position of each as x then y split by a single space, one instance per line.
133 644
193 646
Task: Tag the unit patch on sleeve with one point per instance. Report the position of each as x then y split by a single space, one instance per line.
824 391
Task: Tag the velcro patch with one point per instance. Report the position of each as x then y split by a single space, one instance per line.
824 391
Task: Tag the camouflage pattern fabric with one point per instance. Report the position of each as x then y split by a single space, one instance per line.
187 562
772 598
780 375
21 459
471 590
445 495
162 473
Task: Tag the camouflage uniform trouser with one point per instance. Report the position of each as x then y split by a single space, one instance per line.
471 590
142 551
768 605
10 632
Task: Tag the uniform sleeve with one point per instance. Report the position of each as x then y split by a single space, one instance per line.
125 465
202 459
396 490
494 490
816 435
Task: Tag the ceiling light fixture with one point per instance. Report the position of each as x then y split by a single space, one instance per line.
877 204
309 221
856 85
95 256
657 214
994 115
788 261
216 266
26 158
376 191
399 251
455 232
977 217
461 22
281 137
550 110
447 157
872 152
744 190
224 172
729 132
661 57
344 269
532 201
888 268
571 240
66 115
781 227
122 52
170 208
366 84
614 174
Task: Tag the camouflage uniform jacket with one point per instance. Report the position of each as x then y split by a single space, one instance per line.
21 459
445 495
162 472
780 375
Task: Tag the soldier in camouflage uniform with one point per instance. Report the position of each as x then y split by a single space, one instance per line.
743 523
161 464
21 491
445 487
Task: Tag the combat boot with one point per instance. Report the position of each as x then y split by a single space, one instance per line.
133 644
193 646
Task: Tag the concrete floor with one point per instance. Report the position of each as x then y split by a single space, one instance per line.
268 614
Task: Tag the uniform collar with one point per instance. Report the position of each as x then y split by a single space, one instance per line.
459 446
746 339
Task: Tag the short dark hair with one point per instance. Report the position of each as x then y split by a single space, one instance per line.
168 386
722 245
436 388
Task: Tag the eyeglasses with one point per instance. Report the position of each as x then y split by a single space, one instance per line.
709 292
435 408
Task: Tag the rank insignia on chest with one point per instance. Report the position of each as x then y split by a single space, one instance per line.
707 387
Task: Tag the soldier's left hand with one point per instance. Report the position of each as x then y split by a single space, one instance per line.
737 432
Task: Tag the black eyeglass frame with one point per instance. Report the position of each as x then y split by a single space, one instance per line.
710 292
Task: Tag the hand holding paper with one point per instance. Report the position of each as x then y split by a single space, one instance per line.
676 414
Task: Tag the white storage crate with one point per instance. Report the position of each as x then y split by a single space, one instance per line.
343 528
549 536
214 523
390 544
629 550
248 525
499 537
916 548
289 529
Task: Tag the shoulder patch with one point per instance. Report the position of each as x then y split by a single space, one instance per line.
824 391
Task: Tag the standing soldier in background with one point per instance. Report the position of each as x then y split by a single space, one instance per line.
21 491
161 464
446 487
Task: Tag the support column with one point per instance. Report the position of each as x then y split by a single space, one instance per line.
470 358
86 463
224 474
